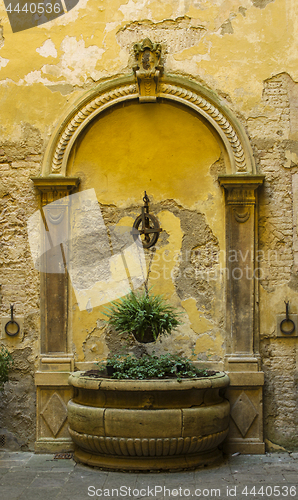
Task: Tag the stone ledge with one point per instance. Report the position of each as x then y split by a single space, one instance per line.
247 448
53 445
51 379
246 379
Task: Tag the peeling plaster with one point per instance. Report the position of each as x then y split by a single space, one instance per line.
35 77
64 89
180 33
133 9
47 49
261 4
76 62
111 26
227 28
291 159
3 62
1 37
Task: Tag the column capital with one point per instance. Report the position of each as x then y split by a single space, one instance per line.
240 189
54 187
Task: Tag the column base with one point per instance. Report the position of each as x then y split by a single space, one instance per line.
54 445
241 363
247 448
245 395
53 394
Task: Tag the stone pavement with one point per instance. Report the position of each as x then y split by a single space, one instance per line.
25 476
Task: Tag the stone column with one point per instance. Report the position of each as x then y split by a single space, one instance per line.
56 361
242 361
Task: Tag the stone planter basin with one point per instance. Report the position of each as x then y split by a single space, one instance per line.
148 424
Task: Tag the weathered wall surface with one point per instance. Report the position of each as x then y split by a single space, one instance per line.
132 149
246 52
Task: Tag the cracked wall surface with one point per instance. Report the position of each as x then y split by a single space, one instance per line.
245 51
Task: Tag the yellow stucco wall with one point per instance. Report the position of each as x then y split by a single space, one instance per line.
168 151
56 61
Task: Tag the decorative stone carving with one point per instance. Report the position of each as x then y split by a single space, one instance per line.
147 69
172 88
54 188
54 413
55 214
142 447
245 394
53 394
243 413
241 216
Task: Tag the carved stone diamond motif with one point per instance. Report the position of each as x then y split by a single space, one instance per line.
243 413
55 413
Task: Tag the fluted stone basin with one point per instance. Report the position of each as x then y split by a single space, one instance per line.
148 424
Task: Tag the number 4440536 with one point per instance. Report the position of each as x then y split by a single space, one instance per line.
33 8
270 491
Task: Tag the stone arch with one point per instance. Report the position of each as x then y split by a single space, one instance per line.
242 360
190 94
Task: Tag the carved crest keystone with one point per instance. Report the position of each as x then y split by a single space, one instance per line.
147 69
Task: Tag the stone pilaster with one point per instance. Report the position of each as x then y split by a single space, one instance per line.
242 346
53 283
56 362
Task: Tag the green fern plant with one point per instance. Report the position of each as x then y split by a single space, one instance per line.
6 363
144 315
150 366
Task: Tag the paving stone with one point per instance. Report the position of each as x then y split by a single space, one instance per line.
63 464
22 478
78 495
283 466
4 470
84 471
151 480
49 480
6 455
73 485
11 492
9 464
39 494
40 459
291 476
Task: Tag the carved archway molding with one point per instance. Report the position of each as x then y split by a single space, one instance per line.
173 88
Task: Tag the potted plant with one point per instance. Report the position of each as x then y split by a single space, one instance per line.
144 315
6 363
152 412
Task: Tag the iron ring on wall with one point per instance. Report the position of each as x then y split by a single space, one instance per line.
11 322
291 330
